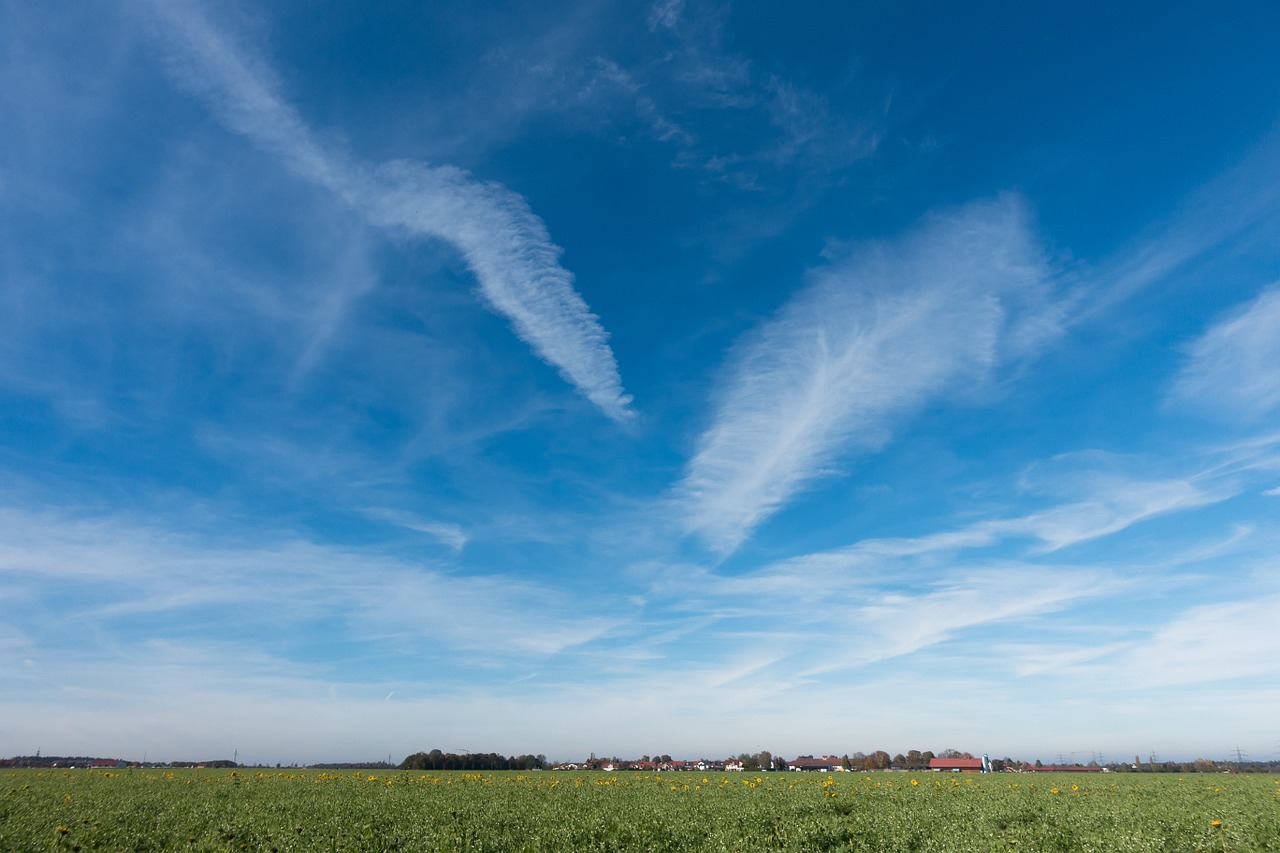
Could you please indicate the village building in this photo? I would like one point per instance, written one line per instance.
(956, 765)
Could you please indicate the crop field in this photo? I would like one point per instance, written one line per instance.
(194, 810)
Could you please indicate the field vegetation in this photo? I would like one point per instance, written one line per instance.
(233, 810)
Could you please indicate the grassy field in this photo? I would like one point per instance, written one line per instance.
(138, 810)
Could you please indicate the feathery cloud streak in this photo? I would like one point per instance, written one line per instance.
(1235, 365)
(126, 573)
(1116, 505)
(504, 243)
(870, 341)
(1213, 642)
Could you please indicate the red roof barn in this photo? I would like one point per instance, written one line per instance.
(960, 765)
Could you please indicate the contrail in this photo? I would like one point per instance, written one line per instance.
(503, 242)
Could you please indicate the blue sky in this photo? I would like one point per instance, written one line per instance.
(621, 378)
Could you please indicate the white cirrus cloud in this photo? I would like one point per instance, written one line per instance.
(869, 342)
(504, 243)
(1108, 504)
(1210, 642)
(894, 624)
(445, 532)
(1116, 504)
(110, 574)
(1234, 367)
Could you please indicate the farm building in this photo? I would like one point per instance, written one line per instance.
(956, 765)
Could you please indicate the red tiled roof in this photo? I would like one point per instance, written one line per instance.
(955, 764)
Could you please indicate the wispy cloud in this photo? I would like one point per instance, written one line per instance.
(1207, 643)
(886, 598)
(1116, 505)
(1234, 367)
(871, 341)
(768, 128)
(130, 574)
(810, 133)
(504, 243)
(665, 13)
(891, 625)
(1100, 494)
(1241, 205)
(445, 532)
(895, 606)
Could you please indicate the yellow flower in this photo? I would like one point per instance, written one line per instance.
(63, 830)
(1075, 787)
(1053, 790)
(914, 783)
(1216, 824)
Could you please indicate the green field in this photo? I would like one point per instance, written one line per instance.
(152, 809)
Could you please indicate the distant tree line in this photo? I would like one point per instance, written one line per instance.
(764, 760)
(222, 763)
(437, 760)
(51, 761)
(89, 761)
(1200, 765)
(352, 765)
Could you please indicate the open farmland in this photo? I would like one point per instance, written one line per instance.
(153, 809)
